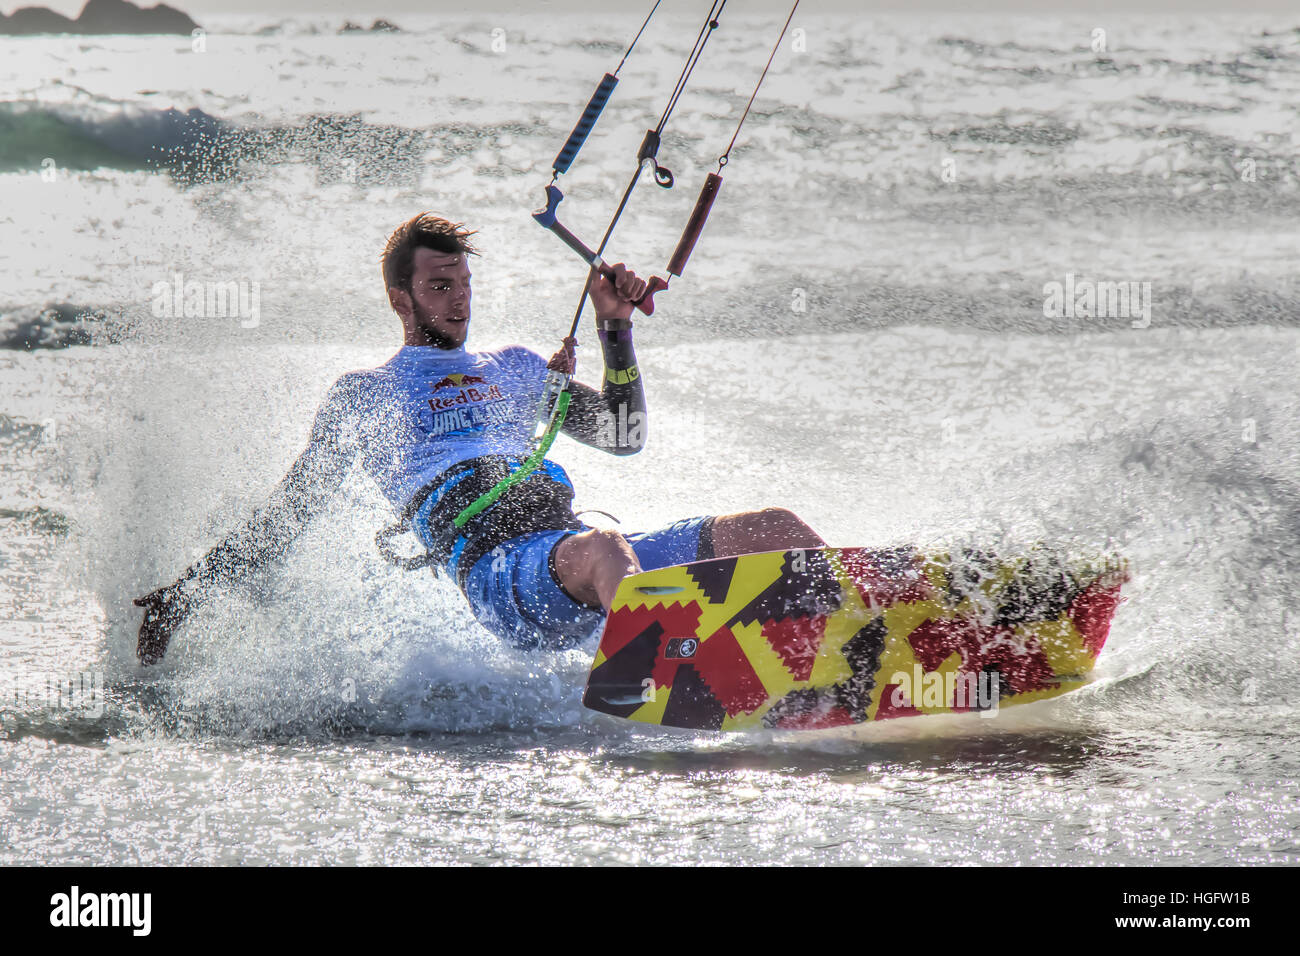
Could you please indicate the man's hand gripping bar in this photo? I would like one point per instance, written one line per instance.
(547, 218)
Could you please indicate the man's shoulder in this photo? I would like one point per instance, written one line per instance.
(517, 356)
(362, 378)
(357, 390)
(354, 382)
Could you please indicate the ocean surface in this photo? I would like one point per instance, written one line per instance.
(864, 335)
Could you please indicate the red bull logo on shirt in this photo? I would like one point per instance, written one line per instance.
(458, 381)
(475, 403)
(466, 396)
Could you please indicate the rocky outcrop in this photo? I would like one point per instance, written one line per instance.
(98, 17)
(379, 26)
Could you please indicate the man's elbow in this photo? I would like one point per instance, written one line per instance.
(633, 439)
(624, 450)
(624, 434)
(628, 444)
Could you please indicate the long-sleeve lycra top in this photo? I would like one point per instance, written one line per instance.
(415, 417)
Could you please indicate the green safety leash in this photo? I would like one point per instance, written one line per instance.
(531, 463)
(484, 501)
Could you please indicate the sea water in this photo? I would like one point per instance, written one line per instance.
(866, 334)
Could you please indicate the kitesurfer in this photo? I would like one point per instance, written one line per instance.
(438, 425)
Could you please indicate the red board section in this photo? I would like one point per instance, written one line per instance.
(797, 640)
(881, 586)
(886, 710)
(980, 647)
(677, 620)
(722, 664)
(1091, 613)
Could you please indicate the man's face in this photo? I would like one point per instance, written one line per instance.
(439, 296)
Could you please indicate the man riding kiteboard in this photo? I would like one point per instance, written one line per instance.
(439, 426)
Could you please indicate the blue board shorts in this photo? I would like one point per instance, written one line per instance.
(515, 591)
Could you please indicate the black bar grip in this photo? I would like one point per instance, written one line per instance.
(569, 153)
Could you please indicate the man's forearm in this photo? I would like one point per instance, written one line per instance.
(615, 418)
(253, 545)
(303, 494)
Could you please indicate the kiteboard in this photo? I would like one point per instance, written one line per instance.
(817, 638)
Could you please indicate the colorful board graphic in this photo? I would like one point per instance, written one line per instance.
(818, 638)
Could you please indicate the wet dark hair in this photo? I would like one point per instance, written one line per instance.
(425, 230)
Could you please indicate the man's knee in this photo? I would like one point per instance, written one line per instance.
(768, 529)
(781, 518)
(766, 521)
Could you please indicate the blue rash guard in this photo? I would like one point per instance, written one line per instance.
(428, 412)
(427, 409)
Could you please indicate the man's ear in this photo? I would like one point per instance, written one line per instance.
(400, 300)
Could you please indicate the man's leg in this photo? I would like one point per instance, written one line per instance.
(591, 564)
(772, 529)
